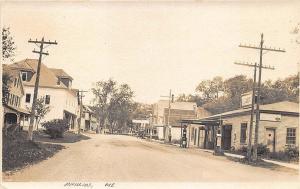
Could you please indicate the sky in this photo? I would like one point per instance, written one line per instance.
(155, 47)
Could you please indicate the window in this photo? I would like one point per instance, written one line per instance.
(15, 82)
(26, 118)
(243, 133)
(13, 100)
(47, 100)
(27, 99)
(16, 101)
(291, 136)
(24, 76)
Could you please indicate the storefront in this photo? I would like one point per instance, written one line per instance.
(278, 128)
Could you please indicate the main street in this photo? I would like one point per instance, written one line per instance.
(125, 158)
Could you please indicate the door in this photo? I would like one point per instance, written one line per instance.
(270, 136)
(201, 138)
(195, 136)
(226, 137)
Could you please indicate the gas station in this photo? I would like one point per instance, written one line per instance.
(203, 133)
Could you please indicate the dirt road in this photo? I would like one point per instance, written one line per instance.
(124, 158)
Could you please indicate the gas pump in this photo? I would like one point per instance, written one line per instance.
(184, 139)
(218, 150)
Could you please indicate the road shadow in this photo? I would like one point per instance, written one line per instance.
(69, 137)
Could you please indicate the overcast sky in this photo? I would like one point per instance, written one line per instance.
(155, 47)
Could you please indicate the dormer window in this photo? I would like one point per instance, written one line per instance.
(58, 81)
(24, 76)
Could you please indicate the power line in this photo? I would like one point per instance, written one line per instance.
(261, 48)
(80, 96)
(255, 65)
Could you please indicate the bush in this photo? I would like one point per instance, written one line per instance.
(175, 141)
(262, 150)
(281, 155)
(56, 127)
(292, 152)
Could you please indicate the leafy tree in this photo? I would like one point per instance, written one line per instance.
(113, 104)
(8, 44)
(6, 80)
(210, 89)
(233, 88)
(191, 98)
(103, 92)
(119, 107)
(41, 110)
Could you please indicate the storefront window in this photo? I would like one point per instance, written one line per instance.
(243, 133)
(291, 136)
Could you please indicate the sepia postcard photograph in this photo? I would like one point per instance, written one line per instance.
(150, 94)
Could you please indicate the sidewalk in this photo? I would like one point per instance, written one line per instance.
(288, 165)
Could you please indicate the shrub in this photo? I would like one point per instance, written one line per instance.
(292, 152)
(56, 127)
(262, 150)
(174, 141)
(281, 155)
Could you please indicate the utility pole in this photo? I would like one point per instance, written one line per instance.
(261, 49)
(80, 96)
(171, 96)
(40, 44)
(252, 104)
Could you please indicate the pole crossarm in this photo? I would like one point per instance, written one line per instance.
(256, 89)
(254, 65)
(44, 42)
(37, 80)
(263, 48)
(38, 52)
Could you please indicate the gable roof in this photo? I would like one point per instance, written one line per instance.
(60, 73)
(48, 77)
(14, 74)
(23, 65)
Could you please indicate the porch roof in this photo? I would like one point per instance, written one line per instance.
(17, 109)
(208, 122)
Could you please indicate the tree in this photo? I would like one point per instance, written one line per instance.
(41, 110)
(119, 107)
(6, 80)
(210, 89)
(8, 44)
(103, 92)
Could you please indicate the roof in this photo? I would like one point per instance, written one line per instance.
(13, 73)
(60, 73)
(48, 77)
(23, 65)
(284, 107)
(179, 105)
(17, 109)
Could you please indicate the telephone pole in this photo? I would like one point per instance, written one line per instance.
(40, 44)
(171, 96)
(252, 104)
(80, 96)
(261, 49)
